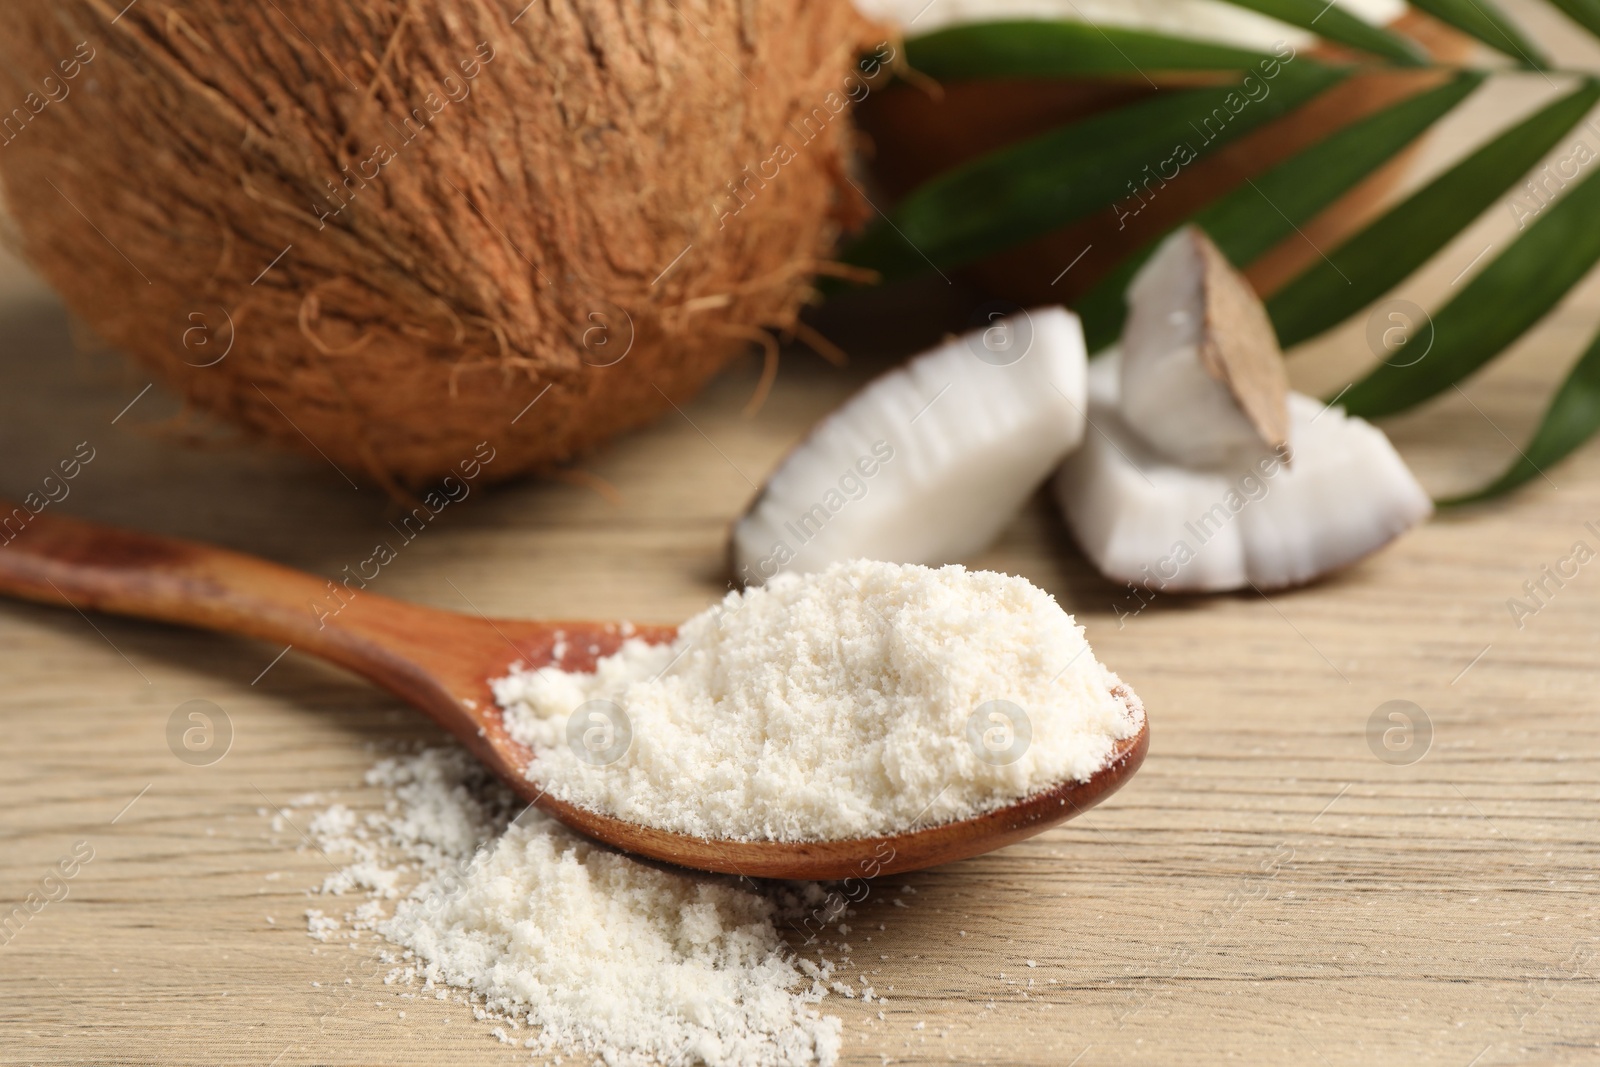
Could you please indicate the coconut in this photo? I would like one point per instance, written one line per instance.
(929, 462)
(1254, 520)
(388, 231)
(1203, 379)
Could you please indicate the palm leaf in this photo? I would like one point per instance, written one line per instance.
(1511, 294)
(1585, 13)
(1043, 183)
(1483, 20)
(1572, 418)
(1036, 49)
(1024, 191)
(1335, 24)
(1403, 238)
(1255, 217)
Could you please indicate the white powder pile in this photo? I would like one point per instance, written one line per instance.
(864, 700)
(594, 952)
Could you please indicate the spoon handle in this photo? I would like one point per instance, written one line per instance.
(67, 562)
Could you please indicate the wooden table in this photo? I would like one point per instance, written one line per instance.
(1266, 890)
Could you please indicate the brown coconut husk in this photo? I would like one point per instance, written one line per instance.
(557, 188)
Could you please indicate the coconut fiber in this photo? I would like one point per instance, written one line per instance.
(388, 230)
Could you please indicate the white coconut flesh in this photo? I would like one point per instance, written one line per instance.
(1202, 375)
(1142, 518)
(930, 461)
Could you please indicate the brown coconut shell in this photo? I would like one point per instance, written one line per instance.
(917, 134)
(418, 225)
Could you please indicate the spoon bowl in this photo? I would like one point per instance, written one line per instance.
(441, 662)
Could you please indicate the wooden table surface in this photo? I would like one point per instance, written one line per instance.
(1267, 889)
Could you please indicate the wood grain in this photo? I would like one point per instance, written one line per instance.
(1267, 890)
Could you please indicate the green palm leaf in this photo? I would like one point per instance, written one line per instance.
(1043, 183)
(1572, 418)
(1036, 49)
(1253, 218)
(1336, 24)
(1403, 238)
(1021, 192)
(1504, 300)
(1483, 20)
(1585, 13)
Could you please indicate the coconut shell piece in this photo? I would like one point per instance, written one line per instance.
(1238, 346)
(418, 225)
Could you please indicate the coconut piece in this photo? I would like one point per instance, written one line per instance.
(1202, 374)
(928, 462)
(1144, 519)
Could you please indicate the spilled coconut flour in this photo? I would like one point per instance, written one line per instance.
(594, 952)
(841, 704)
(866, 699)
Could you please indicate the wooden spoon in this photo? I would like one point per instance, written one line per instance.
(441, 662)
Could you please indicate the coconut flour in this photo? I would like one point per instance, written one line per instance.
(867, 699)
(569, 946)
